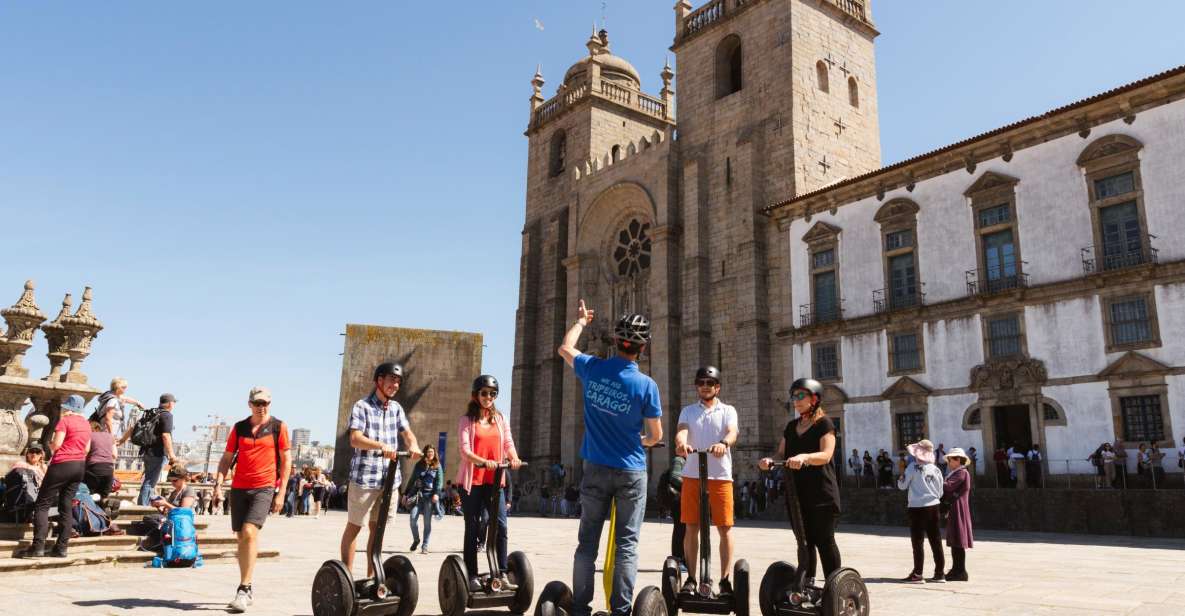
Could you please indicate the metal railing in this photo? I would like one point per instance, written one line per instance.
(888, 300)
(1091, 264)
(1163, 474)
(997, 280)
(814, 314)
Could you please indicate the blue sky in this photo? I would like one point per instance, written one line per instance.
(239, 180)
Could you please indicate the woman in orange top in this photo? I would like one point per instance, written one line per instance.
(485, 441)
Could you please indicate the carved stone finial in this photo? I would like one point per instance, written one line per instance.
(81, 330)
(55, 335)
(22, 318)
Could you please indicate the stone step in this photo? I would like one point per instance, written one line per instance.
(16, 532)
(107, 543)
(108, 559)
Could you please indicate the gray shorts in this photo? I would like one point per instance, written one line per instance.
(251, 506)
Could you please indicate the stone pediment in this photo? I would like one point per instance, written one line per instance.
(896, 209)
(905, 387)
(833, 396)
(1009, 375)
(821, 232)
(990, 180)
(1108, 146)
(1133, 364)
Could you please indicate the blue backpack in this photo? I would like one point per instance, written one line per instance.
(89, 518)
(179, 540)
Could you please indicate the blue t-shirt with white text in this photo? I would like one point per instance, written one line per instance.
(617, 396)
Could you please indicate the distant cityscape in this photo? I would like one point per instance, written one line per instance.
(201, 454)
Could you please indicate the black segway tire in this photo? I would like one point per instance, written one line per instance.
(776, 582)
(333, 590)
(555, 600)
(845, 594)
(518, 567)
(649, 602)
(402, 582)
(670, 585)
(740, 588)
(453, 586)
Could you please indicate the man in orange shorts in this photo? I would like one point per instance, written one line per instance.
(708, 425)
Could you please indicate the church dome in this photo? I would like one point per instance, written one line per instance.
(613, 68)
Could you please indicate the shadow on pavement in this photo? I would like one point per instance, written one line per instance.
(135, 602)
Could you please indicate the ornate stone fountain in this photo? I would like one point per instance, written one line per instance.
(69, 337)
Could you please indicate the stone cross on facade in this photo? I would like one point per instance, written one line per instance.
(824, 164)
(840, 125)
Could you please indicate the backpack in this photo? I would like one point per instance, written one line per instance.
(20, 495)
(89, 518)
(178, 541)
(144, 434)
(243, 430)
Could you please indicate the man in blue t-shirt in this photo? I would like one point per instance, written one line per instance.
(622, 416)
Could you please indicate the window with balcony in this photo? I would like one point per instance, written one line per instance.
(825, 361)
(823, 253)
(993, 209)
(898, 220)
(1112, 168)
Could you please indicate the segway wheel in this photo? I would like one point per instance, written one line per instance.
(650, 603)
(845, 594)
(453, 587)
(555, 600)
(519, 570)
(670, 586)
(333, 590)
(775, 584)
(403, 583)
(740, 588)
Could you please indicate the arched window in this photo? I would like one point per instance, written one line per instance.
(632, 253)
(821, 76)
(559, 154)
(853, 92)
(729, 66)
(615, 153)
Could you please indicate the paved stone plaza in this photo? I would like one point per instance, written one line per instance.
(1011, 573)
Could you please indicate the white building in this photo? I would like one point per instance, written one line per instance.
(1023, 286)
(301, 436)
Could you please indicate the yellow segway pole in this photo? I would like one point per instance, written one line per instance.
(610, 553)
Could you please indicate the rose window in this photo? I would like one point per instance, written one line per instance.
(632, 253)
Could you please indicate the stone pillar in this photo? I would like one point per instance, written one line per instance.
(682, 10)
(668, 93)
(537, 85)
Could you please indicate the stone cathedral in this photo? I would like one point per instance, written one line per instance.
(640, 202)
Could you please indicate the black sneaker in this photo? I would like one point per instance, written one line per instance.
(57, 552)
(414, 544)
(725, 586)
(689, 586)
(956, 576)
(914, 578)
(31, 552)
(475, 584)
(939, 578)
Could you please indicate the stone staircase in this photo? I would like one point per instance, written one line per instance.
(108, 550)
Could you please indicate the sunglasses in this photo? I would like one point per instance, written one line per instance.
(260, 403)
(800, 395)
(705, 383)
(488, 394)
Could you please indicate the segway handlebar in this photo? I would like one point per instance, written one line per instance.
(505, 464)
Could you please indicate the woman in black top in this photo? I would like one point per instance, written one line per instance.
(807, 446)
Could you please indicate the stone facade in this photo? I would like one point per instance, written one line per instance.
(439, 368)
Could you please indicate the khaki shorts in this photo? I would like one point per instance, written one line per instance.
(719, 502)
(361, 501)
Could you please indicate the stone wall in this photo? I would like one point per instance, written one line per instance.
(439, 368)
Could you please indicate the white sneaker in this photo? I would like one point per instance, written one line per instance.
(241, 601)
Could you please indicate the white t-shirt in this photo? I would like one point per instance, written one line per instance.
(706, 427)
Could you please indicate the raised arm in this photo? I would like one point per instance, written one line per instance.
(568, 349)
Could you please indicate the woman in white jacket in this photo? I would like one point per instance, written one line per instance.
(923, 482)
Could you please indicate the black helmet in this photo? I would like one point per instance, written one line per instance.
(809, 385)
(388, 368)
(632, 330)
(708, 372)
(485, 380)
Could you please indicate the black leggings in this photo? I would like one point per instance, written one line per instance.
(473, 504)
(99, 477)
(960, 558)
(923, 524)
(59, 487)
(820, 523)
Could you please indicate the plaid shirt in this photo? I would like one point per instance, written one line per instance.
(379, 422)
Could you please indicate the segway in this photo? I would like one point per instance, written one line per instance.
(704, 600)
(787, 592)
(556, 598)
(394, 589)
(453, 583)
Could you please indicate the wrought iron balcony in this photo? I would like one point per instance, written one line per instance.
(815, 314)
(888, 300)
(1092, 264)
(997, 280)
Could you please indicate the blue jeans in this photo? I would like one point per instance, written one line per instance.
(423, 508)
(152, 468)
(289, 503)
(601, 485)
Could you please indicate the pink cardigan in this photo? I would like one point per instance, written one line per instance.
(465, 428)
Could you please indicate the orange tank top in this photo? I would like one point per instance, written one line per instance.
(486, 443)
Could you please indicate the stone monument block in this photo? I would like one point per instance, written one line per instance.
(439, 368)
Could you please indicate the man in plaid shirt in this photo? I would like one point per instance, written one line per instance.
(377, 425)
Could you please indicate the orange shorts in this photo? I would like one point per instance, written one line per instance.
(719, 502)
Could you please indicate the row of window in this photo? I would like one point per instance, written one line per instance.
(1121, 240)
(823, 80)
